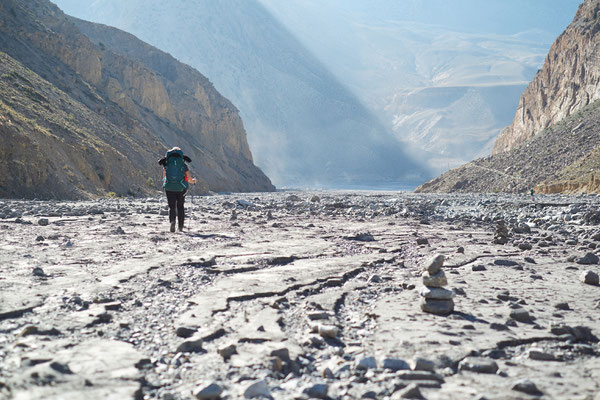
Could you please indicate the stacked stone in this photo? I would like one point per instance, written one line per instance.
(501, 235)
(436, 299)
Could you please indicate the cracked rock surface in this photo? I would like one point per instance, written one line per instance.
(296, 298)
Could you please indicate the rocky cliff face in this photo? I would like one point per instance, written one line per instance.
(553, 145)
(88, 117)
(569, 80)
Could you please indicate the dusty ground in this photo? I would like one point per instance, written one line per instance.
(299, 295)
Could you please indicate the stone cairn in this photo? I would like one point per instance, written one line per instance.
(501, 235)
(436, 299)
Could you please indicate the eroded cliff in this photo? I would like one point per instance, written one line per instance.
(568, 81)
(88, 118)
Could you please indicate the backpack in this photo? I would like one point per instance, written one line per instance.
(175, 168)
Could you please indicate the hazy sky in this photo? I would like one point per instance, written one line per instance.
(481, 16)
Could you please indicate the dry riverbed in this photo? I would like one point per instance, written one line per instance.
(301, 295)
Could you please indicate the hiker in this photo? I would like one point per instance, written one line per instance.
(531, 192)
(176, 179)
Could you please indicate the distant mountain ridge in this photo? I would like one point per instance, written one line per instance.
(444, 77)
(85, 118)
(305, 127)
(553, 144)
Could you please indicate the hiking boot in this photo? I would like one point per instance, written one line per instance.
(180, 227)
(173, 226)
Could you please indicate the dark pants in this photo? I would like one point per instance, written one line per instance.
(176, 200)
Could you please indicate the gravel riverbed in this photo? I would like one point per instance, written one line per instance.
(297, 295)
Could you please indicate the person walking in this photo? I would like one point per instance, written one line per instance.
(176, 180)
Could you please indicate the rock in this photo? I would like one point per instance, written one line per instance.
(589, 277)
(524, 246)
(422, 241)
(506, 263)
(61, 368)
(328, 331)
(540, 355)
(522, 228)
(527, 386)
(498, 327)
(103, 318)
(367, 363)
(293, 198)
(501, 240)
(419, 376)
(361, 237)
(494, 354)
(371, 394)
(184, 332)
(191, 346)
(438, 307)
(34, 330)
(318, 391)
(315, 199)
(436, 293)
(113, 306)
(257, 389)
(283, 354)
(318, 315)
(588, 259)
(422, 364)
(394, 364)
(412, 391)
(327, 373)
(521, 315)
(37, 271)
(244, 203)
(511, 323)
(505, 296)
(562, 306)
(477, 268)
(434, 265)
(227, 351)
(316, 341)
(478, 364)
(43, 222)
(438, 280)
(276, 364)
(40, 239)
(580, 333)
(210, 392)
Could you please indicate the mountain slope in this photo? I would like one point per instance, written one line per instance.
(564, 158)
(569, 80)
(554, 141)
(54, 147)
(89, 120)
(305, 128)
